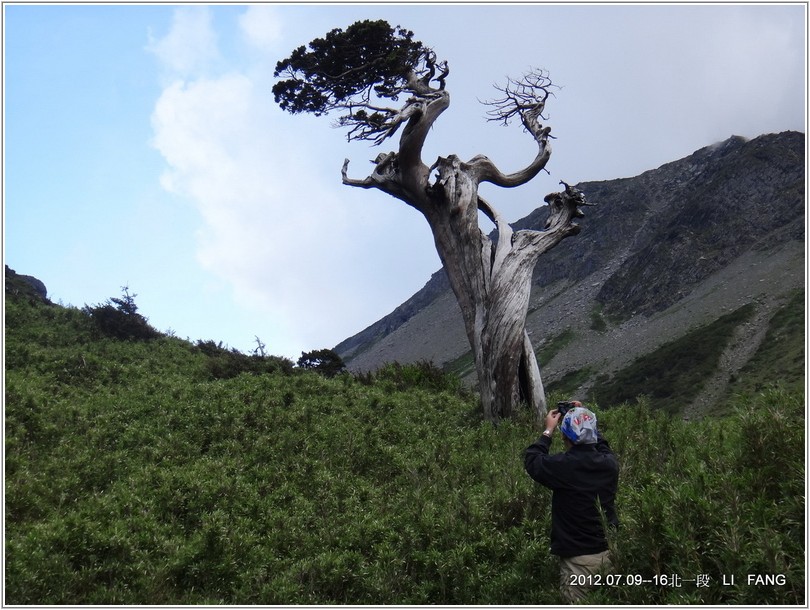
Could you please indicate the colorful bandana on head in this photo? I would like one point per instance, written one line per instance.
(579, 426)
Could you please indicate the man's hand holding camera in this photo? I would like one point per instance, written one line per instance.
(552, 420)
(554, 416)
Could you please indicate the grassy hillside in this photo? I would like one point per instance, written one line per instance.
(781, 355)
(673, 374)
(161, 472)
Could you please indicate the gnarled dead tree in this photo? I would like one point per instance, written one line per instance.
(350, 72)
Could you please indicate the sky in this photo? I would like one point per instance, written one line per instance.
(143, 148)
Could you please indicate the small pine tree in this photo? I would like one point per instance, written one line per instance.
(119, 318)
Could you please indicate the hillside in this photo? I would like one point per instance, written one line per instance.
(661, 255)
(147, 470)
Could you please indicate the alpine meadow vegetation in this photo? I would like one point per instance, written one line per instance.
(152, 470)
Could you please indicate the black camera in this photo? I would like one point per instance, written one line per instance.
(564, 406)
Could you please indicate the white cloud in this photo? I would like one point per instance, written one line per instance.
(267, 225)
(271, 228)
(198, 128)
(261, 26)
(190, 45)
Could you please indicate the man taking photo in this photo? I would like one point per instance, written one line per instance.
(583, 479)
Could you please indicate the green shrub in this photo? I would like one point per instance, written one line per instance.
(323, 361)
(598, 322)
(462, 366)
(550, 348)
(223, 363)
(569, 382)
(119, 318)
(420, 374)
(722, 497)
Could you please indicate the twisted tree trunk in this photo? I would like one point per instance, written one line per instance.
(491, 281)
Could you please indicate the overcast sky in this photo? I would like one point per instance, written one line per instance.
(143, 147)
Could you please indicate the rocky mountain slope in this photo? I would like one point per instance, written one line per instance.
(661, 254)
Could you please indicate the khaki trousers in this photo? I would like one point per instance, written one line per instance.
(578, 575)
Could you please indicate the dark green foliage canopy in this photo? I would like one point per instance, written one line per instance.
(345, 67)
(323, 361)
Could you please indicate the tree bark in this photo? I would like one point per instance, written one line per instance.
(491, 281)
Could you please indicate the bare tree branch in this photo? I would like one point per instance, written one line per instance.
(524, 98)
(384, 168)
(489, 172)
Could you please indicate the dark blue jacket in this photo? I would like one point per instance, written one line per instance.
(584, 480)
